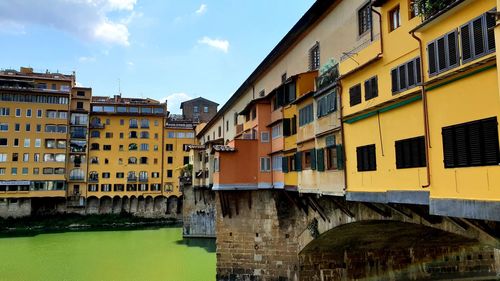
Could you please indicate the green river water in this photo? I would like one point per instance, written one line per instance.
(152, 254)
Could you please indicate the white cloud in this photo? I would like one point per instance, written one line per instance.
(202, 9)
(86, 59)
(174, 101)
(99, 20)
(222, 45)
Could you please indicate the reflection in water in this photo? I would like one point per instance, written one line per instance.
(150, 254)
(206, 243)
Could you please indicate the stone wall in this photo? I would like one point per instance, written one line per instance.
(198, 212)
(15, 208)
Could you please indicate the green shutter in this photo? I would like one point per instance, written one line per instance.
(321, 159)
(313, 159)
(284, 164)
(298, 161)
(340, 157)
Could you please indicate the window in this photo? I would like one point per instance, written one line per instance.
(410, 153)
(471, 144)
(144, 147)
(4, 127)
(106, 147)
(4, 111)
(155, 175)
(169, 147)
(3, 157)
(118, 187)
(195, 109)
(306, 115)
(27, 142)
(477, 37)
(326, 104)
(36, 157)
(169, 173)
(26, 157)
(314, 57)
(394, 19)
(132, 160)
(106, 175)
(132, 135)
(17, 127)
(94, 146)
(309, 159)
(3, 142)
(443, 53)
(366, 158)
(144, 135)
(18, 112)
(80, 93)
(144, 123)
(38, 142)
(413, 4)
(364, 18)
(216, 165)
(276, 131)
(28, 127)
(143, 160)
(277, 163)
(219, 133)
(79, 105)
(15, 157)
(132, 147)
(265, 164)
(38, 127)
(181, 135)
(16, 142)
(355, 95)
(185, 160)
(92, 187)
(13, 171)
(122, 122)
(406, 76)
(120, 175)
(332, 157)
(36, 171)
(28, 112)
(133, 123)
(371, 88)
(264, 136)
(109, 135)
(205, 109)
(170, 159)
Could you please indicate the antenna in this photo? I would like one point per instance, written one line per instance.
(119, 87)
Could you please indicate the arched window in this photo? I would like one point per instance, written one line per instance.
(93, 176)
(132, 160)
(131, 175)
(95, 121)
(144, 135)
(94, 160)
(132, 147)
(95, 134)
(144, 123)
(143, 176)
(144, 160)
(133, 123)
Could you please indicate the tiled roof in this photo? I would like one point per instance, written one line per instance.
(223, 148)
(196, 147)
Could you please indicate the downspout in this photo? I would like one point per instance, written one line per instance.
(342, 133)
(426, 111)
(380, 30)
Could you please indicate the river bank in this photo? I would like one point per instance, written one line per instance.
(74, 222)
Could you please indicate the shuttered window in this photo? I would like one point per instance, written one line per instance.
(366, 158)
(471, 144)
(371, 88)
(326, 104)
(320, 158)
(355, 95)
(443, 53)
(284, 164)
(410, 153)
(406, 76)
(477, 37)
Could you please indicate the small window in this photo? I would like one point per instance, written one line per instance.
(364, 18)
(366, 158)
(331, 158)
(170, 160)
(413, 5)
(276, 131)
(307, 158)
(169, 147)
(205, 109)
(169, 173)
(314, 57)
(371, 88)
(406, 76)
(306, 115)
(394, 19)
(355, 95)
(196, 109)
(265, 164)
(264, 136)
(326, 104)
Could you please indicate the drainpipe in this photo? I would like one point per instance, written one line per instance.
(342, 133)
(426, 111)
(380, 30)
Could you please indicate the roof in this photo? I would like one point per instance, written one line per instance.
(223, 148)
(311, 17)
(198, 99)
(249, 106)
(126, 101)
(378, 3)
(196, 147)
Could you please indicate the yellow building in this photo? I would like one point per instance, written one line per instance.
(125, 147)
(34, 117)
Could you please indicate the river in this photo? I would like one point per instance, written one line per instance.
(135, 255)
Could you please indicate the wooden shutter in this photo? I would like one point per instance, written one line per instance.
(448, 147)
(431, 53)
(490, 142)
(422, 156)
(355, 95)
(411, 73)
(286, 127)
(320, 159)
(294, 125)
(452, 49)
(298, 161)
(394, 80)
(399, 155)
(418, 71)
(474, 139)
(441, 52)
(490, 30)
(372, 158)
(284, 164)
(368, 89)
(313, 159)
(374, 86)
(402, 77)
(340, 157)
(359, 158)
(461, 146)
(478, 36)
(465, 40)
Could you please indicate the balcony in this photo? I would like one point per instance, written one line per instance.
(329, 76)
(77, 178)
(96, 126)
(143, 179)
(431, 8)
(131, 179)
(239, 128)
(93, 179)
(78, 135)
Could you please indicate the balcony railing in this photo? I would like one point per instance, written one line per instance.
(93, 179)
(329, 76)
(96, 126)
(77, 178)
(143, 179)
(132, 179)
(78, 135)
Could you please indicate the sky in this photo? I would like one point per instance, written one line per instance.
(170, 50)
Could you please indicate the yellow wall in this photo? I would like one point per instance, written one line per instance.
(178, 155)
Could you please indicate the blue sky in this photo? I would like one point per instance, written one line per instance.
(159, 49)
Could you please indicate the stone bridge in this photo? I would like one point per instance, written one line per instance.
(281, 235)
